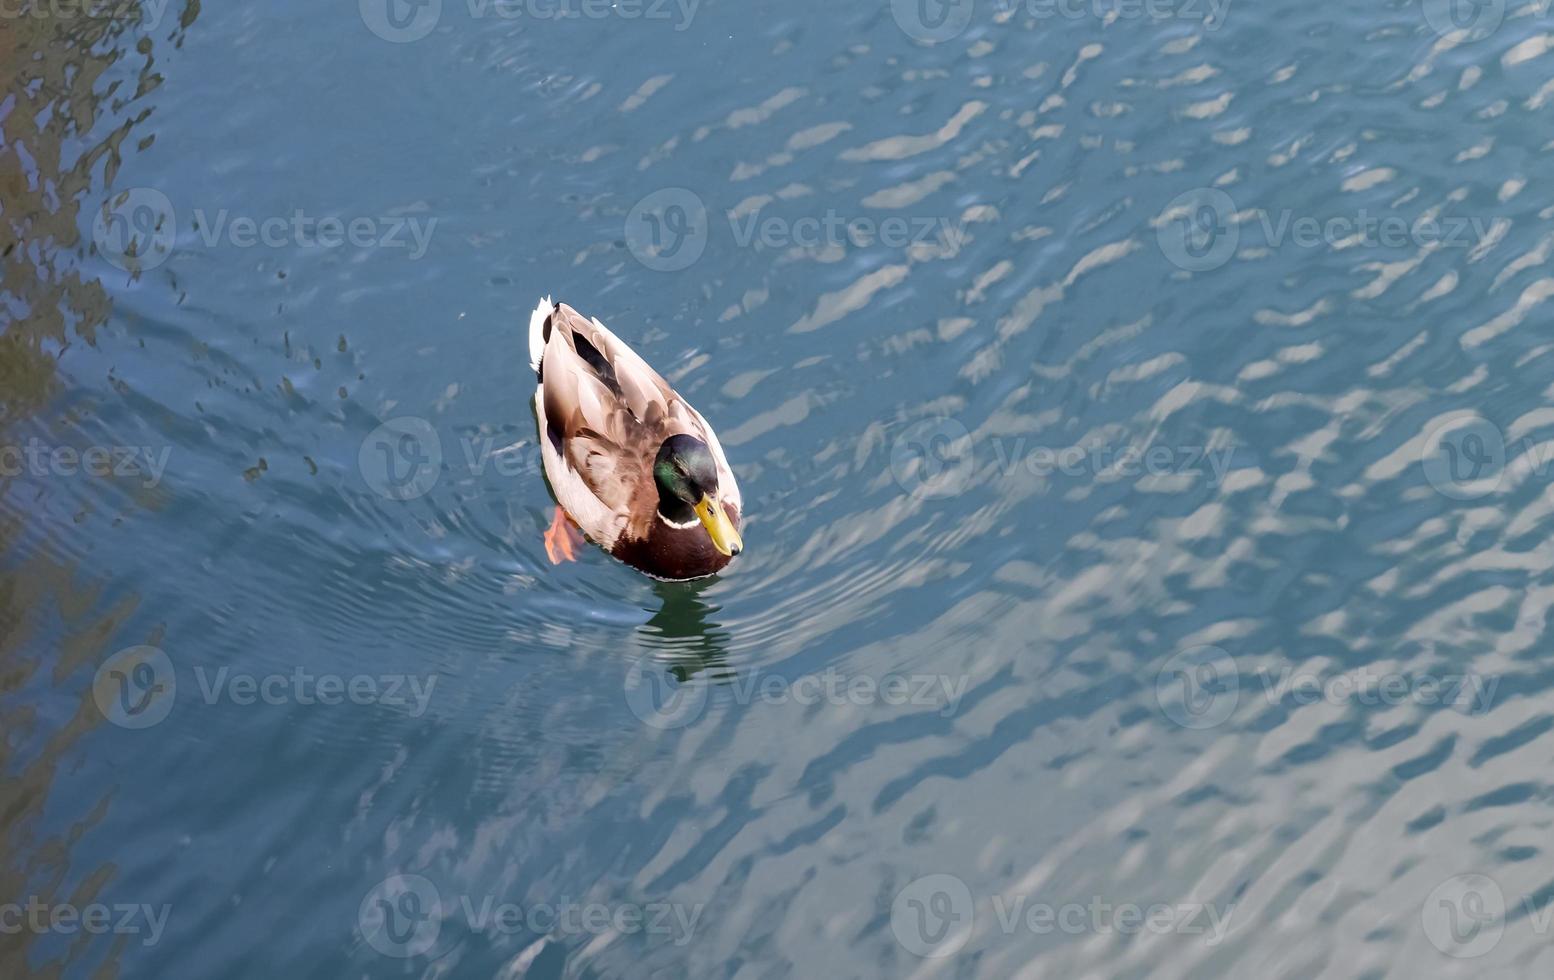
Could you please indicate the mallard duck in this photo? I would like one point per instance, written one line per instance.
(632, 464)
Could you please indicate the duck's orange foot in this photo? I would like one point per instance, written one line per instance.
(562, 538)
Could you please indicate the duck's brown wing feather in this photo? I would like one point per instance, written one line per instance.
(607, 412)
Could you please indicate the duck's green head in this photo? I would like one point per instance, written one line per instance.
(687, 478)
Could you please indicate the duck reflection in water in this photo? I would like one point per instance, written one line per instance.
(683, 637)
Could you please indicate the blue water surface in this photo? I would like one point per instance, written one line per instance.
(1142, 413)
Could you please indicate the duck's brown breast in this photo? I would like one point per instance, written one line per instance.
(675, 553)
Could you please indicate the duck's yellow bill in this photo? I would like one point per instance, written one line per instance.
(715, 519)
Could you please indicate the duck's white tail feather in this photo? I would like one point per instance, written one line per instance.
(537, 331)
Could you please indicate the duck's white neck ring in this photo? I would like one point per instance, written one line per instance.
(693, 522)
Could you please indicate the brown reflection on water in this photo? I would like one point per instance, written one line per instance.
(66, 75)
(62, 74)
